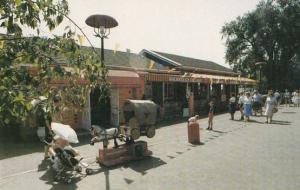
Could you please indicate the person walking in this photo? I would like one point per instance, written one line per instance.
(240, 104)
(247, 106)
(270, 106)
(287, 97)
(232, 106)
(211, 111)
(295, 98)
(48, 119)
(277, 96)
(256, 103)
(298, 98)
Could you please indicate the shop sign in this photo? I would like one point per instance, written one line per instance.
(184, 79)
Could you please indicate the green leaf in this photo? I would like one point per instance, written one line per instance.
(59, 19)
(6, 120)
(17, 2)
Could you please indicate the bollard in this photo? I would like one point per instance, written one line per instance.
(193, 132)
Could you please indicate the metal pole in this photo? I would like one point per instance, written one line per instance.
(102, 51)
(260, 86)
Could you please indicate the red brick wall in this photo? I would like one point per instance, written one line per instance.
(127, 93)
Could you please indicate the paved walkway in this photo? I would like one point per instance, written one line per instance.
(236, 155)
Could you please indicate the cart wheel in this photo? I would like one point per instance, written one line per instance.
(135, 133)
(88, 171)
(68, 180)
(150, 132)
(79, 169)
(57, 178)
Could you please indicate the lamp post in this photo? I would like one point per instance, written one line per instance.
(260, 64)
(239, 81)
(102, 25)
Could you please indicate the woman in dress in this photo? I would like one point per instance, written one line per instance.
(247, 106)
(211, 111)
(295, 98)
(232, 106)
(240, 103)
(270, 105)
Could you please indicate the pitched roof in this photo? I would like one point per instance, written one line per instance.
(123, 59)
(187, 62)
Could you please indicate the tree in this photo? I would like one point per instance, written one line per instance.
(269, 34)
(51, 60)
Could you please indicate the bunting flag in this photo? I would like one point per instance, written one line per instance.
(1, 43)
(80, 39)
(117, 46)
(151, 64)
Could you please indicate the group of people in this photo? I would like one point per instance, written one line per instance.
(293, 98)
(249, 105)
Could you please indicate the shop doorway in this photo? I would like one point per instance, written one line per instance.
(100, 109)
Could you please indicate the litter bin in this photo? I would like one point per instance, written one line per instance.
(193, 133)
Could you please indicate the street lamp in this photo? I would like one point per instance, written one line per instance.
(102, 25)
(239, 81)
(260, 64)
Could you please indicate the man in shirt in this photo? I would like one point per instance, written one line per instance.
(277, 96)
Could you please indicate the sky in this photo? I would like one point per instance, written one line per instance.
(184, 27)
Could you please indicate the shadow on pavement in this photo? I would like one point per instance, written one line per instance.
(217, 131)
(43, 165)
(49, 178)
(142, 166)
(250, 121)
(289, 112)
(277, 122)
(197, 144)
(12, 147)
(162, 124)
(255, 121)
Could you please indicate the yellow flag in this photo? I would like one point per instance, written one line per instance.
(18, 2)
(151, 64)
(80, 39)
(1, 43)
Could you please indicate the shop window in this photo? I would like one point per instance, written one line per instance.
(169, 91)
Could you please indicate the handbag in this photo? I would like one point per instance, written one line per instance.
(275, 110)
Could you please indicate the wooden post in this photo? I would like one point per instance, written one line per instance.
(208, 91)
(163, 94)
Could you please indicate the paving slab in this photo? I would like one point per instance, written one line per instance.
(236, 155)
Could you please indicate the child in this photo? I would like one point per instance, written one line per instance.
(211, 111)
